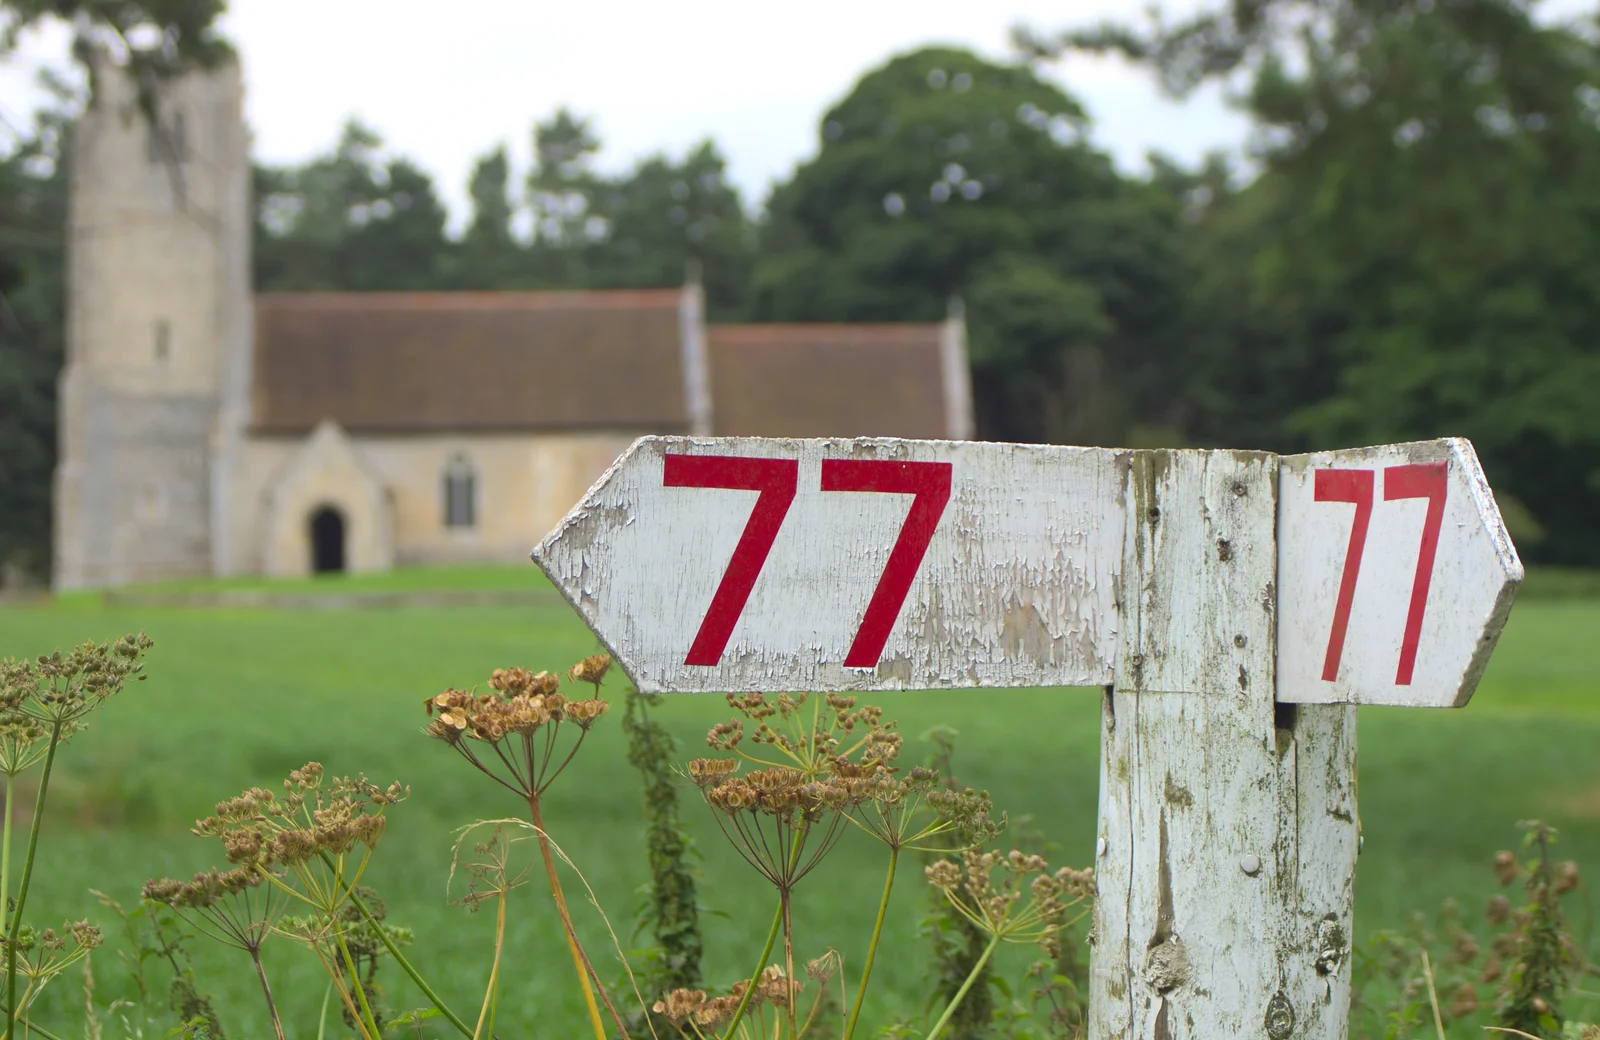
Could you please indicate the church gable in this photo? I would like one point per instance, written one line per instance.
(328, 510)
(467, 361)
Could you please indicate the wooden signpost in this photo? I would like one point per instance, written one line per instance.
(1235, 607)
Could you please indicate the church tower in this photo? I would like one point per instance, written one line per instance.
(154, 392)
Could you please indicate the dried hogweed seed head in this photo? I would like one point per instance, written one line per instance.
(243, 846)
(1492, 970)
(304, 778)
(721, 1009)
(84, 934)
(725, 736)
(774, 988)
(731, 796)
(681, 1003)
(585, 713)
(1464, 1002)
(1498, 910)
(1505, 867)
(1465, 948)
(943, 874)
(707, 771)
(590, 670)
(824, 966)
(1566, 878)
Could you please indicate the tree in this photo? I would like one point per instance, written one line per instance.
(33, 208)
(154, 40)
(561, 191)
(1421, 253)
(945, 175)
(489, 256)
(352, 220)
(665, 214)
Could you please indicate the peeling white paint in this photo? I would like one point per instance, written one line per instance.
(1473, 582)
(1228, 842)
(1016, 589)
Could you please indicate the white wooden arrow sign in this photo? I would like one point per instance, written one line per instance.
(756, 564)
(764, 564)
(1397, 575)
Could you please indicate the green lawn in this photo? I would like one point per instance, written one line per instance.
(238, 697)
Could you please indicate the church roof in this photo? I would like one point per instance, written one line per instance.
(435, 361)
(828, 380)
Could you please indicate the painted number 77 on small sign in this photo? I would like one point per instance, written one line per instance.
(777, 481)
(1395, 575)
(1425, 480)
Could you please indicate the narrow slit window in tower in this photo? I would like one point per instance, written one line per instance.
(163, 341)
(169, 143)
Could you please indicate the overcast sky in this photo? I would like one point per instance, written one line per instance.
(445, 83)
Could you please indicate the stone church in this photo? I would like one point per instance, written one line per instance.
(208, 430)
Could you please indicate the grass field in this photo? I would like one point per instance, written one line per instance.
(239, 697)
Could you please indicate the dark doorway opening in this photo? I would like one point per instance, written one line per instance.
(327, 541)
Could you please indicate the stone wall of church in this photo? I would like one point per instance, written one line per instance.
(522, 484)
(137, 506)
(157, 248)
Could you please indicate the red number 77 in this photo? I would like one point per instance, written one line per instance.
(776, 480)
(1425, 480)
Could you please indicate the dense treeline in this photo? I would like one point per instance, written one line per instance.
(1413, 252)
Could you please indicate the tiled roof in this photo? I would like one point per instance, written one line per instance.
(423, 362)
(827, 381)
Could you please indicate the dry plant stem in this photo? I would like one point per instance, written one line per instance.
(788, 956)
(872, 950)
(5, 855)
(27, 876)
(961, 994)
(405, 965)
(622, 957)
(494, 970)
(361, 991)
(336, 983)
(578, 960)
(1513, 1032)
(779, 920)
(766, 951)
(1433, 995)
(261, 973)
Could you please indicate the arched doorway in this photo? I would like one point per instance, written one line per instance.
(327, 541)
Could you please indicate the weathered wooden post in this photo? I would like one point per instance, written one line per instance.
(1219, 597)
(1226, 853)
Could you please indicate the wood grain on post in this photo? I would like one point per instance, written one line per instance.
(1226, 848)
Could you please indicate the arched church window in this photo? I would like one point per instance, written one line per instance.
(460, 493)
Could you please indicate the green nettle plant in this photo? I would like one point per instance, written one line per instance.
(670, 909)
(1436, 970)
(43, 703)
